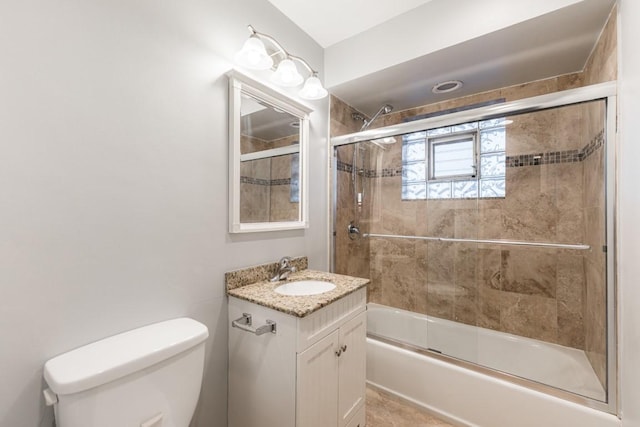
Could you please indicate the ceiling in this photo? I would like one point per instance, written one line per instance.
(331, 21)
(549, 44)
(259, 119)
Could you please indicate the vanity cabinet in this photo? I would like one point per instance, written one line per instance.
(309, 373)
(331, 376)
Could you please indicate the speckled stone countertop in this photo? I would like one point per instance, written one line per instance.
(263, 292)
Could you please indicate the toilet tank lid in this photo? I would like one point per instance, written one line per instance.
(120, 355)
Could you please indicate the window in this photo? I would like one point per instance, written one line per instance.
(455, 162)
(452, 157)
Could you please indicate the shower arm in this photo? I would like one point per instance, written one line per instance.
(367, 123)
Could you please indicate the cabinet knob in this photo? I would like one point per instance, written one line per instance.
(341, 350)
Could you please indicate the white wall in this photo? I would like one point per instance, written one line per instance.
(629, 244)
(384, 45)
(113, 179)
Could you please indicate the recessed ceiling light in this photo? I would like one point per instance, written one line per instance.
(448, 86)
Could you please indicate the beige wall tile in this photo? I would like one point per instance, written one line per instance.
(552, 295)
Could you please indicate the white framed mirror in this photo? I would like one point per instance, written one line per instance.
(268, 139)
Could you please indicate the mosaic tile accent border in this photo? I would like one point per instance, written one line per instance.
(370, 173)
(553, 157)
(256, 181)
(266, 182)
(344, 167)
(593, 145)
(386, 172)
(569, 156)
(246, 276)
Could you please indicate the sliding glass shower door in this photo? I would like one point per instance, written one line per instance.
(493, 233)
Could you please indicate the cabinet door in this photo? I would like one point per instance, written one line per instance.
(352, 368)
(317, 384)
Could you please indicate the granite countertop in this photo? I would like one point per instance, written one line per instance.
(263, 293)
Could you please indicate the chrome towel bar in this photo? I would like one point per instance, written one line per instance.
(244, 323)
(486, 241)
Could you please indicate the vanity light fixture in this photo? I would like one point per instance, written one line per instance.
(254, 55)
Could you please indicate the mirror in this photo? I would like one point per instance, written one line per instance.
(268, 134)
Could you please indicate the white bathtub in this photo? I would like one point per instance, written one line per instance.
(467, 397)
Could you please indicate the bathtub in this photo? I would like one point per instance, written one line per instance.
(466, 396)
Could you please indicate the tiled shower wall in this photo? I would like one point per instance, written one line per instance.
(265, 185)
(353, 256)
(601, 67)
(548, 294)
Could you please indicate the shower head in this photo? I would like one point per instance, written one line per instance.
(385, 109)
(358, 116)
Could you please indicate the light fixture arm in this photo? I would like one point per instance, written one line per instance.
(281, 50)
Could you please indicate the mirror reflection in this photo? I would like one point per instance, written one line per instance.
(269, 163)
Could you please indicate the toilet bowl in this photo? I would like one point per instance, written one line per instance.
(146, 377)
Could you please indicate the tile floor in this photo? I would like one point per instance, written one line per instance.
(385, 410)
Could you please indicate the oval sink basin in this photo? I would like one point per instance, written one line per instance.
(305, 287)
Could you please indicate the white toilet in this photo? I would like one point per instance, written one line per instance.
(147, 377)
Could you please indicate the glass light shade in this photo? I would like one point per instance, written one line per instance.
(287, 74)
(313, 89)
(253, 55)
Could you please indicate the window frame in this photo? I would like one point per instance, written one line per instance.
(433, 141)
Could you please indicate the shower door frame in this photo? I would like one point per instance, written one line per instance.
(602, 91)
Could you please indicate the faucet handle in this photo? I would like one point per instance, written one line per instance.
(285, 262)
(284, 268)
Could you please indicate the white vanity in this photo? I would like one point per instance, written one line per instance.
(299, 360)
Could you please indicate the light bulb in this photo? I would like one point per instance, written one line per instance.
(253, 55)
(286, 74)
(313, 89)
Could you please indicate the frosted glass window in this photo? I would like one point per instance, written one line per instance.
(492, 187)
(499, 122)
(464, 127)
(415, 151)
(453, 158)
(414, 136)
(492, 140)
(439, 190)
(412, 172)
(414, 191)
(492, 165)
(439, 131)
(465, 189)
(461, 161)
(294, 192)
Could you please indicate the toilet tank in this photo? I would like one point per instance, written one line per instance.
(147, 377)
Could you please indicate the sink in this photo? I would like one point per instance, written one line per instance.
(305, 287)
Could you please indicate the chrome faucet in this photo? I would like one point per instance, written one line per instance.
(284, 269)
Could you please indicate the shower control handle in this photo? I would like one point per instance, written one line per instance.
(353, 230)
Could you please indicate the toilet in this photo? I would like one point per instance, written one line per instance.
(146, 377)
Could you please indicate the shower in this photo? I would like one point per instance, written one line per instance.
(483, 237)
(357, 172)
